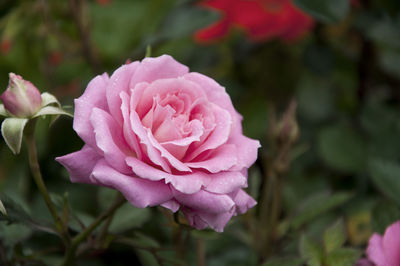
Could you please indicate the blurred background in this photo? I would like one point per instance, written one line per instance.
(317, 82)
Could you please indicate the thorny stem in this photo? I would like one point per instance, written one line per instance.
(70, 254)
(37, 176)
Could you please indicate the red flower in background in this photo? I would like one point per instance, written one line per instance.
(5, 46)
(261, 19)
(103, 2)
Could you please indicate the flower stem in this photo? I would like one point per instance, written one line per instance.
(70, 254)
(37, 176)
(201, 252)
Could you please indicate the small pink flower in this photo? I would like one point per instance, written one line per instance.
(22, 98)
(385, 250)
(164, 136)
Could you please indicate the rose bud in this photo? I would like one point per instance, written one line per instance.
(22, 98)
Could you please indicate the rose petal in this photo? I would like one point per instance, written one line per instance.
(137, 127)
(172, 205)
(205, 201)
(200, 220)
(139, 192)
(165, 87)
(391, 243)
(94, 96)
(247, 150)
(190, 183)
(221, 159)
(179, 147)
(375, 250)
(80, 164)
(129, 135)
(217, 137)
(162, 67)
(174, 162)
(223, 182)
(243, 201)
(110, 140)
(119, 82)
(215, 92)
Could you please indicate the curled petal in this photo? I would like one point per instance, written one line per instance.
(80, 164)
(219, 160)
(223, 182)
(205, 201)
(391, 243)
(119, 82)
(93, 97)
(109, 139)
(201, 220)
(243, 201)
(139, 192)
(375, 250)
(162, 67)
(217, 137)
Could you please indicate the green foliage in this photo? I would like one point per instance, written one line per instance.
(386, 176)
(340, 182)
(332, 252)
(342, 148)
(317, 205)
(334, 236)
(326, 11)
(311, 251)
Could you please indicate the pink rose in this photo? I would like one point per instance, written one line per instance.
(164, 136)
(385, 251)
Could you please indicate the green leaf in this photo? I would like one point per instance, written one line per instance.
(52, 110)
(384, 214)
(386, 177)
(184, 21)
(342, 148)
(325, 11)
(334, 236)
(128, 217)
(284, 262)
(343, 257)
(11, 234)
(140, 241)
(311, 251)
(318, 204)
(17, 215)
(12, 130)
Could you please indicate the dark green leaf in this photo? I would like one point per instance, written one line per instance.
(342, 148)
(16, 214)
(384, 214)
(318, 204)
(326, 11)
(386, 176)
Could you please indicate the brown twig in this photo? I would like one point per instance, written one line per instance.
(77, 12)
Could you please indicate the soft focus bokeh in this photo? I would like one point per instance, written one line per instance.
(321, 93)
